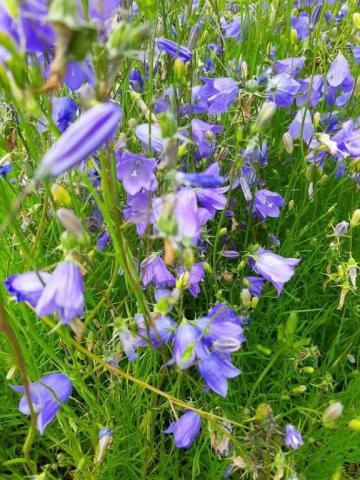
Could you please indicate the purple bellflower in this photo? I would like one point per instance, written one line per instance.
(189, 217)
(28, 286)
(293, 438)
(210, 195)
(186, 429)
(63, 112)
(204, 136)
(339, 78)
(282, 89)
(276, 269)
(174, 49)
(197, 275)
(153, 270)
(215, 370)
(78, 73)
(301, 25)
(46, 395)
(5, 168)
(63, 293)
(162, 328)
(142, 133)
(267, 204)
(219, 93)
(255, 285)
(100, 10)
(83, 138)
(138, 211)
(296, 126)
(187, 345)
(136, 172)
(317, 85)
(292, 66)
(136, 81)
(341, 228)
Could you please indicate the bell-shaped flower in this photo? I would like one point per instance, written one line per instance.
(215, 370)
(293, 438)
(219, 93)
(338, 79)
(139, 211)
(267, 204)
(302, 126)
(282, 89)
(153, 270)
(136, 172)
(186, 429)
(203, 135)
(292, 66)
(46, 397)
(174, 49)
(63, 293)
(28, 286)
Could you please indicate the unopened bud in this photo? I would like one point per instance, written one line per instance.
(226, 344)
(308, 370)
(263, 411)
(332, 413)
(222, 231)
(267, 111)
(291, 204)
(60, 195)
(179, 68)
(245, 297)
(71, 223)
(288, 142)
(183, 281)
(355, 218)
(293, 36)
(356, 20)
(254, 302)
(299, 389)
(354, 424)
(105, 437)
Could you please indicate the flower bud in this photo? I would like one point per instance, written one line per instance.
(341, 228)
(299, 389)
(317, 118)
(355, 218)
(61, 195)
(293, 36)
(183, 281)
(245, 297)
(291, 205)
(83, 138)
(288, 142)
(254, 302)
(332, 413)
(356, 20)
(267, 111)
(308, 370)
(354, 424)
(226, 344)
(179, 68)
(71, 223)
(105, 437)
(222, 231)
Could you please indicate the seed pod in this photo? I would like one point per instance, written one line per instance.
(83, 138)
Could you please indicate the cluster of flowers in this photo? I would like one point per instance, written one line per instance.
(170, 203)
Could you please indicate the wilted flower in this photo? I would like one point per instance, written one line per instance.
(27, 287)
(293, 438)
(46, 395)
(63, 293)
(276, 269)
(83, 138)
(186, 429)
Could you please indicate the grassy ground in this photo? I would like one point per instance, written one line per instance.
(326, 338)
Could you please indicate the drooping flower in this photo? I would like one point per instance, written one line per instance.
(136, 172)
(215, 370)
(28, 286)
(293, 438)
(316, 83)
(161, 330)
(46, 395)
(219, 93)
(187, 344)
(63, 293)
(136, 81)
(153, 269)
(267, 204)
(189, 217)
(282, 89)
(302, 126)
(276, 269)
(105, 438)
(197, 274)
(174, 49)
(83, 138)
(186, 429)
(255, 285)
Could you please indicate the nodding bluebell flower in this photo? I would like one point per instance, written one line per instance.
(338, 79)
(139, 211)
(105, 437)
(136, 81)
(293, 438)
(174, 49)
(27, 287)
(203, 135)
(162, 328)
(282, 89)
(63, 293)
(197, 275)
(341, 228)
(46, 396)
(221, 321)
(219, 93)
(299, 123)
(136, 172)
(188, 345)
(216, 370)
(103, 241)
(153, 270)
(255, 285)
(189, 217)
(317, 85)
(78, 73)
(236, 28)
(5, 168)
(142, 133)
(301, 24)
(274, 240)
(348, 139)
(292, 66)
(186, 429)
(91, 131)
(63, 112)
(267, 204)
(276, 269)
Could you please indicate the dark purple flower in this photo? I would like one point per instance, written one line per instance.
(292, 66)
(203, 134)
(136, 172)
(136, 81)
(341, 228)
(142, 133)
(162, 327)
(27, 287)
(282, 89)
(276, 269)
(63, 112)
(5, 168)
(63, 293)
(216, 370)
(103, 241)
(174, 49)
(153, 269)
(46, 395)
(293, 438)
(267, 204)
(297, 124)
(186, 429)
(187, 345)
(83, 138)
(219, 93)
(139, 211)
